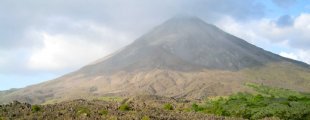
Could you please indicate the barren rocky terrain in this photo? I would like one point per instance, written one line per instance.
(136, 108)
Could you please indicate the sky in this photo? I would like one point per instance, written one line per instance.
(43, 39)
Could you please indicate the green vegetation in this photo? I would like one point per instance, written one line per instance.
(275, 92)
(83, 111)
(269, 102)
(168, 106)
(103, 112)
(264, 102)
(146, 118)
(196, 107)
(124, 107)
(35, 108)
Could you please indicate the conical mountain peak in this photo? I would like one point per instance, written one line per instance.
(183, 57)
(185, 22)
(185, 44)
(180, 28)
(184, 19)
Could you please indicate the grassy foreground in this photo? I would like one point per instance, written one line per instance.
(267, 103)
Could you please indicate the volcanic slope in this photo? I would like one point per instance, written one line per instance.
(183, 57)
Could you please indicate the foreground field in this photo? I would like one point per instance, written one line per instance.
(136, 108)
(264, 103)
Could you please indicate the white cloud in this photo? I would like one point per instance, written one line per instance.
(297, 35)
(289, 55)
(265, 33)
(298, 55)
(231, 26)
(59, 53)
(302, 22)
(70, 51)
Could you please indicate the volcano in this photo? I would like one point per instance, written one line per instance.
(183, 57)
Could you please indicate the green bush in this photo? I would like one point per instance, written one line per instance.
(168, 106)
(83, 111)
(124, 107)
(195, 107)
(146, 118)
(103, 112)
(294, 106)
(35, 108)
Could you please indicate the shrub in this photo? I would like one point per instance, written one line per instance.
(146, 118)
(292, 98)
(168, 106)
(124, 107)
(35, 108)
(83, 111)
(294, 106)
(197, 108)
(103, 112)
